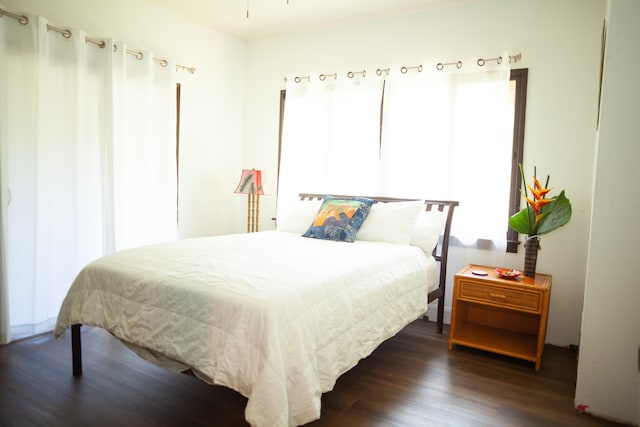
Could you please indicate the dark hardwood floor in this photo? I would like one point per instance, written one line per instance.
(410, 380)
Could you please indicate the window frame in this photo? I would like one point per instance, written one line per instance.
(520, 76)
(178, 100)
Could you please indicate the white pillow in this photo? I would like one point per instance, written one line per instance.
(427, 231)
(391, 222)
(298, 217)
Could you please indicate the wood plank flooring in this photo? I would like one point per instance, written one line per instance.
(410, 380)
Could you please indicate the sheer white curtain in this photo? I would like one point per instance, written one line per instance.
(450, 136)
(330, 138)
(61, 137)
(443, 134)
(144, 149)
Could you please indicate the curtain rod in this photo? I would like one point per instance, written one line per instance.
(404, 69)
(67, 34)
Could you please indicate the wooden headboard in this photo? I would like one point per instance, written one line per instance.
(440, 252)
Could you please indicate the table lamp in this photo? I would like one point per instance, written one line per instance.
(251, 184)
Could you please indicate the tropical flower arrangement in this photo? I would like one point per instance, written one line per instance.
(542, 215)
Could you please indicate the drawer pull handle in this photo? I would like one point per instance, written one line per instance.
(497, 296)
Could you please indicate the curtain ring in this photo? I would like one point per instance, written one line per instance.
(459, 64)
(297, 79)
(403, 70)
(322, 77)
(439, 66)
(499, 60)
(23, 20)
(480, 62)
(352, 74)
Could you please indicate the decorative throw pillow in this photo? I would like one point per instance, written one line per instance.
(339, 219)
(297, 217)
(427, 231)
(391, 222)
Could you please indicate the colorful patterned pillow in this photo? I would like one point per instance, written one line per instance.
(339, 219)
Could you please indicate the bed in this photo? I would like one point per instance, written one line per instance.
(276, 315)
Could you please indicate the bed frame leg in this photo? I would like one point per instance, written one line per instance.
(76, 350)
(440, 320)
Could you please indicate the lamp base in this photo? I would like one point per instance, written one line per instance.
(253, 209)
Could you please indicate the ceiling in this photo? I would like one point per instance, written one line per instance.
(268, 18)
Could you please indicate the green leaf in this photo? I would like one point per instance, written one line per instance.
(554, 215)
(523, 222)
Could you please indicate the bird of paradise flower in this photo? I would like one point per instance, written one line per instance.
(542, 214)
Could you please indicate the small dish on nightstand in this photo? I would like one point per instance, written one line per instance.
(507, 273)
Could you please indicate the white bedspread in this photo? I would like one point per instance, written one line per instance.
(272, 315)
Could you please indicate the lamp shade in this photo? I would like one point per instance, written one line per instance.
(251, 183)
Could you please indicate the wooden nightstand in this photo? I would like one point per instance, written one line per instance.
(505, 316)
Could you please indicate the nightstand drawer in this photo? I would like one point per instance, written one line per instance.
(530, 301)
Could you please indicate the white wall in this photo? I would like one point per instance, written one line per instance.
(608, 369)
(560, 44)
(211, 126)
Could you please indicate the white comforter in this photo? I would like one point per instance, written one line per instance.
(272, 315)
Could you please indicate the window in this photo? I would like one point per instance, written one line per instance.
(399, 153)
